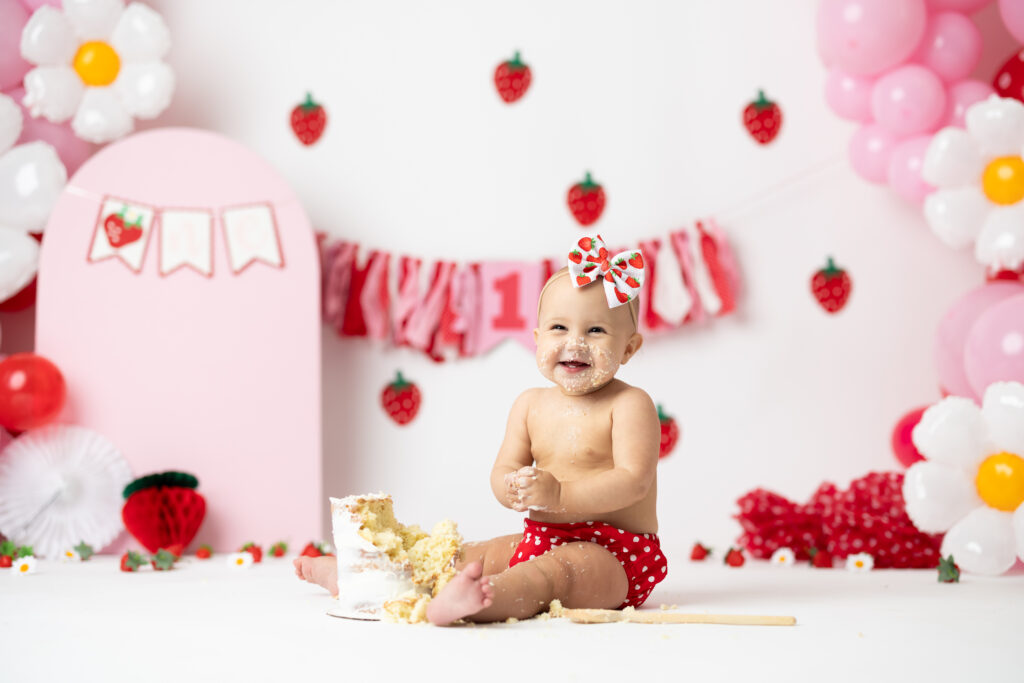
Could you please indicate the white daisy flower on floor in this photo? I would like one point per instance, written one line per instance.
(979, 176)
(970, 485)
(71, 556)
(783, 557)
(98, 62)
(860, 562)
(24, 565)
(240, 560)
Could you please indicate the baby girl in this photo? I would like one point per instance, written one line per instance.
(581, 456)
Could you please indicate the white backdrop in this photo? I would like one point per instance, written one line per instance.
(420, 156)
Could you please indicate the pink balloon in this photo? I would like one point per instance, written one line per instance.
(968, 6)
(849, 96)
(869, 151)
(994, 351)
(866, 37)
(904, 172)
(1012, 12)
(909, 100)
(71, 149)
(13, 17)
(951, 336)
(960, 97)
(951, 46)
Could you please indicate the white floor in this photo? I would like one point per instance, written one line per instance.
(209, 621)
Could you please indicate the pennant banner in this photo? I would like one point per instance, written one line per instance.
(122, 231)
(251, 236)
(186, 236)
(448, 309)
(186, 239)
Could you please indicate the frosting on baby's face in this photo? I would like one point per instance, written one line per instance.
(581, 342)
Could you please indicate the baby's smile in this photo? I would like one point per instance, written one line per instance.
(574, 366)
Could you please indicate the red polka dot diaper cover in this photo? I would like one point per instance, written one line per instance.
(639, 554)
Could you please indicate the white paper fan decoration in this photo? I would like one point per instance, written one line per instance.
(59, 486)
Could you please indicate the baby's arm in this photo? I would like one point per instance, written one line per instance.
(514, 454)
(636, 436)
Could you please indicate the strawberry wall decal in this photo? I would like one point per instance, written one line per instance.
(512, 78)
(308, 120)
(586, 200)
(831, 286)
(762, 118)
(669, 433)
(401, 399)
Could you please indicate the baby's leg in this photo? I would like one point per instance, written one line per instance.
(494, 554)
(323, 571)
(578, 574)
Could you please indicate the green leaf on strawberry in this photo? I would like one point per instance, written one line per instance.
(7, 548)
(949, 572)
(23, 551)
(163, 560)
(84, 550)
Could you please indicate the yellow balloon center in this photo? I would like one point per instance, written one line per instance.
(97, 63)
(1000, 481)
(23, 568)
(1003, 180)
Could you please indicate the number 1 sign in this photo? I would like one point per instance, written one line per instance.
(509, 294)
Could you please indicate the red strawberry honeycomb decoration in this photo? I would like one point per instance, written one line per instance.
(869, 517)
(401, 399)
(163, 510)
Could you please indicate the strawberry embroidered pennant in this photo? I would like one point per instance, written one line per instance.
(186, 240)
(251, 236)
(122, 231)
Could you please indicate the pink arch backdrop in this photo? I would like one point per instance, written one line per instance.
(216, 374)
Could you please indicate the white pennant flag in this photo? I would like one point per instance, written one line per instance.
(122, 231)
(670, 299)
(251, 235)
(186, 239)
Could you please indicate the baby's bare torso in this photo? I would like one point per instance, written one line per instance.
(571, 437)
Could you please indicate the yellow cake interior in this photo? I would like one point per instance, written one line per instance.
(430, 556)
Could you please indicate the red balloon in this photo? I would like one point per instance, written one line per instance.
(1009, 80)
(32, 391)
(23, 299)
(902, 444)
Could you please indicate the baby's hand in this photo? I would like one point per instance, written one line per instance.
(512, 492)
(538, 490)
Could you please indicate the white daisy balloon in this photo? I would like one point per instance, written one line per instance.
(24, 565)
(979, 176)
(860, 562)
(970, 485)
(98, 63)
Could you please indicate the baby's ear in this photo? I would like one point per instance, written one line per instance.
(536, 334)
(632, 346)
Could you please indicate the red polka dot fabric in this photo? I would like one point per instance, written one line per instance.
(639, 554)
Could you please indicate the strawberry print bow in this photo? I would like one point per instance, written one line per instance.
(623, 273)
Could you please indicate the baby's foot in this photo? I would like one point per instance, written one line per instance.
(468, 593)
(323, 571)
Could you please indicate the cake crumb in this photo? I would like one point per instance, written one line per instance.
(665, 608)
(511, 620)
(555, 609)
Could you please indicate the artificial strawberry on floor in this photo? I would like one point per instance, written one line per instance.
(278, 549)
(734, 558)
(669, 433)
(822, 559)
(7, 552)
(131, 561)
(586, 201)
(512, 78)
(699, 552)
(205, 552)
(163, 510)
(312, 550)
(308, 121)
(762, 118)
(163, 560)
(401, 400)
(253, 549)
(831, 286)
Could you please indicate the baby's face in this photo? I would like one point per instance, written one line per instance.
(580, 341)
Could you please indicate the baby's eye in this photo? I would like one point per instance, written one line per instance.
(596, 330)
(556, 326)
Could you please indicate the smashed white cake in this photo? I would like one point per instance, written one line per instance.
(387, 570)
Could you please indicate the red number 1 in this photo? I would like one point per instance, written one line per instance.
(508, 288)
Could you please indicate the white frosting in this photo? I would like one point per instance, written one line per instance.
(367, 577)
